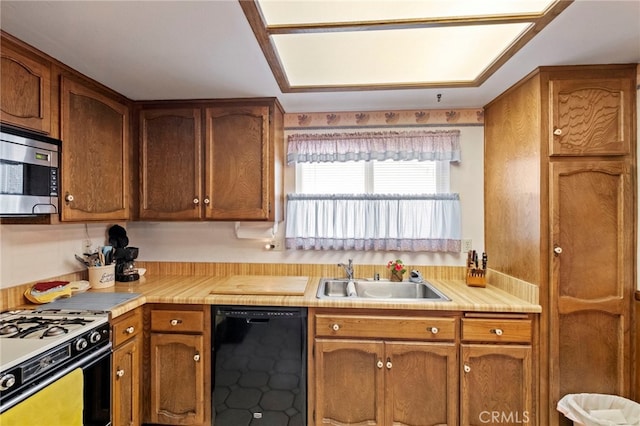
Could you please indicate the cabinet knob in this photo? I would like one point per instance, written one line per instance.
(380, 364)
(466, 368)
(196, 201)
(389, 364)
(497, 331)
(206, 201)
(196, 357)
(175, 322)
(68, 197)
(335, 327)
(557, 132)
(434, 330)
(129, 330)
(120, 373)
(557, 250)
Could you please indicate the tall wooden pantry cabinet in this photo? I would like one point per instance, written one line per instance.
(560, 187)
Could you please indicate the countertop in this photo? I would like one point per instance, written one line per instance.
(201, 289)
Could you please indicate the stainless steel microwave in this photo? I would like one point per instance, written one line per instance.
(29, 173)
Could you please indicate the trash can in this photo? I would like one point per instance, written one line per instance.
(593, 409)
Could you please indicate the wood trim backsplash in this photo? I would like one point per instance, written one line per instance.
(12, 297)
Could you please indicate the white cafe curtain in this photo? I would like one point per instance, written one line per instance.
(429, 222)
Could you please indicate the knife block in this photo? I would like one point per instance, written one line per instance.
(476, 277)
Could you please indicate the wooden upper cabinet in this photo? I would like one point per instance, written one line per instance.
(238, 171)
(217, 160)
(95, 157)
(26, 90)
(171, 164)
(591, 116)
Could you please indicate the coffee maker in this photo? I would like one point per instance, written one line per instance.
(124, 256)
(126, 270)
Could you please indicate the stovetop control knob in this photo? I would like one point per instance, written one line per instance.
(95, 337)
(81, 344)
(7, 381)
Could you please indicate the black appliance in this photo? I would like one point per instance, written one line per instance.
(260, 357)
(124, 256)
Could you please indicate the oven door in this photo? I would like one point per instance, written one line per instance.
(79, 394)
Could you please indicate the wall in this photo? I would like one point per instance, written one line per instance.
(33, 252)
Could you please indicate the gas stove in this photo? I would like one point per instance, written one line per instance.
(35, 344)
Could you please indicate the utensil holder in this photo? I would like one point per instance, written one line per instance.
(476, 277)
(102, 276)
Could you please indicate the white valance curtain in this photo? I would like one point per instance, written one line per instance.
(442, 145)
(374, 222)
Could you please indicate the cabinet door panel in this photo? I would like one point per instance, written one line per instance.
(126, 372)
(26, 91)
(171, 164)
(591, 278)
(177, 379)
(95, 138)
(591, 116)
(496, 381)
(349, 382)
(238, 165)
(421, 383)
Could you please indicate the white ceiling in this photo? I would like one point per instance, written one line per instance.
(205, 49)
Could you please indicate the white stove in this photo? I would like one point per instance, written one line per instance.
(36, 344)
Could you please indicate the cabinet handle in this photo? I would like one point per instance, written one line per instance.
(389, 364)
(380, 364)
(206, 201)
(335, 327)
(175, 322)
(433, 330)
(557, 250)
(129, 330)
(466, 368)
(496, 331)
(557, 132)
(68, 198)
(120, 373)
(196, 357)
(196, 201)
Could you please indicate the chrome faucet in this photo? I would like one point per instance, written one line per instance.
(348, 269)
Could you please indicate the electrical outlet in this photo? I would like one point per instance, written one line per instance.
(86, 246)
(467, 245)
(274, 245)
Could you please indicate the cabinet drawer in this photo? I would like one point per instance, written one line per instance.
(127, 327)
(496, 330)
(421, 328)
(177, 321)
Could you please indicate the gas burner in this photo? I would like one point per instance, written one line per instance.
(8, 329)
(56, 330)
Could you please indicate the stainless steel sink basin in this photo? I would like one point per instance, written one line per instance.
(330, 288)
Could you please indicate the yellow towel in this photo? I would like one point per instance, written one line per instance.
(59, 404)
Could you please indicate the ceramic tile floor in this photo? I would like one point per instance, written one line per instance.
(259, 381)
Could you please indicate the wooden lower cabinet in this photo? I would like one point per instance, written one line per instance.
(177, 386)
(180, 365)
(385, 383)
(126, 368)
(496, 385)
(126, 384)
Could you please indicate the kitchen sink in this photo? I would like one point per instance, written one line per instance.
(330, 288)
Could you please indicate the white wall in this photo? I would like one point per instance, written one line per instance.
(32, 252)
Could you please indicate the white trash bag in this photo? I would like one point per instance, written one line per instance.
(592, 409)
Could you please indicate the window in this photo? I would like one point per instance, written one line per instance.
(373, 177)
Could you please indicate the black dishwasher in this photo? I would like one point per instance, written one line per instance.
(260, 358)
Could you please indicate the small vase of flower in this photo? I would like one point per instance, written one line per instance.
(397, 269)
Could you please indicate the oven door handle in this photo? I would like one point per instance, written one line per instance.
(84, 362)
